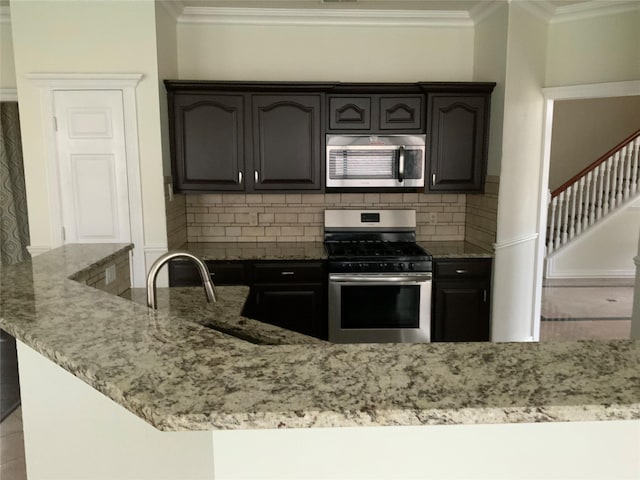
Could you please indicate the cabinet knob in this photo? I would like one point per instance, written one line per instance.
(433, 179)
(255, 175)
(240, 177)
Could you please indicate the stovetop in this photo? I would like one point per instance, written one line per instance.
(373, 242)
(377, 257)
(374, 249)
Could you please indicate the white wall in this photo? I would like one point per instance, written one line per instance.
(167, 46)
(594, 50)
(88, 37)
(489, 65)
(606, 250)
(7, 68)
(513, 306)
(328, 53)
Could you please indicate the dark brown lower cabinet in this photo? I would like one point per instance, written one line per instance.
(295, 307)
(461, 296)
(291, 295)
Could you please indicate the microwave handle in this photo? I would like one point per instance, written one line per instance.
(401, 163)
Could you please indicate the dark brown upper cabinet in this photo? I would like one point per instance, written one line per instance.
(208, 142)
(376, 113)
(286, 142)
(246, 142)
(457, 137)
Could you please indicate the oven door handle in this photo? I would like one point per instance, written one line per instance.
(380, 278)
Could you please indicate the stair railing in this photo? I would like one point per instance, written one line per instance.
(603, 186)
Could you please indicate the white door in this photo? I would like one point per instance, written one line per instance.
(92, 162)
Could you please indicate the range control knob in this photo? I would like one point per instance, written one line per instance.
(401, 266)
(412, 266)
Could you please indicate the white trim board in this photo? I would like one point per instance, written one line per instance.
(126, 82)
(325, 17)
(8, 95)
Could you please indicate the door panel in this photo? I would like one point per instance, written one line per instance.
(92, 164)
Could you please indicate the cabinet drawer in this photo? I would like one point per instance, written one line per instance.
(349, 113)
(401, 113)
(288, 272)
(185, 274)
(463, 269)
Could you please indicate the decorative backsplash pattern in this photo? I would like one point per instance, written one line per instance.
(299, 217)
(296, 217)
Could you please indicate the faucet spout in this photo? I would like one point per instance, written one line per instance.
(209, 288)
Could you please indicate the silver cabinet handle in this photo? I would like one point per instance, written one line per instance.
(255, 176)
(287, 273)
(240, 177)
(381, 279)
(461, 271)
(433, 179)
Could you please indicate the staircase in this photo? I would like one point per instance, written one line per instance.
(597, 191)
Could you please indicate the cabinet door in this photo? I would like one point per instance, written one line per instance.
(457, 133)
(350, 113)
(461, 311)
(299, 308)
(286, 142)
(208, 142)
(401, 113)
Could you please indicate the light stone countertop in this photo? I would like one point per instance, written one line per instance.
(189, 303)
(314, 250)
(179, 375)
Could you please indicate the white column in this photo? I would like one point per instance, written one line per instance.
(635, 315)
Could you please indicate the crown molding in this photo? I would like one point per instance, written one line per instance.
(593, 9)
(173, 7)
(484, 10)
(325, 17)
(542, 9)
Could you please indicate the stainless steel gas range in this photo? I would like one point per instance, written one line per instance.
(379, 277)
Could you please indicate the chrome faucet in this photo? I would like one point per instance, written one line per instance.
(209, 289)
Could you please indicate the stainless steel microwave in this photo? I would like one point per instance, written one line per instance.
(375, 161)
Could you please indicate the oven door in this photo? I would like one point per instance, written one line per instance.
(379, 307)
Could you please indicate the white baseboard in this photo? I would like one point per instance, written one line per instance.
(36, 250)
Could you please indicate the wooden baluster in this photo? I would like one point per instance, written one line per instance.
(559, 220)
(614, 201)
(635, 153)
(626, 158)
(607, 187)
(551, 224)
(580, 199)
(565, 219)
(586, 222)
(572, 218)
(600, 191)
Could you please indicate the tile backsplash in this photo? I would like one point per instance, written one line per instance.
(482, 215)
(299, 217)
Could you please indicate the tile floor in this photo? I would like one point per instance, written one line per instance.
(600, 310)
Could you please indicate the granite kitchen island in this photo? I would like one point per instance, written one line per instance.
(197, 393)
